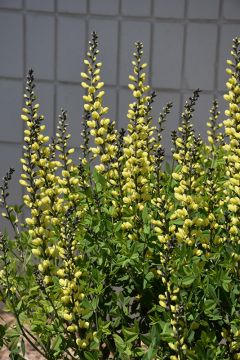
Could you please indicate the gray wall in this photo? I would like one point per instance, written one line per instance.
(186, 44)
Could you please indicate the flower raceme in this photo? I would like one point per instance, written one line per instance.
(122, 255)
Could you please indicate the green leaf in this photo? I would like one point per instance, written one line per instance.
(168, 168)
(90, 355)
(95, 302)
(119, 342)
(56, 345)
(15, 356)
(150, 353)
(209, 305)
(99, 178)
(146, 339)
(130, 334)
(188, 280)
(145, 215)
(176, 222)
(23, 349)
(3, 329)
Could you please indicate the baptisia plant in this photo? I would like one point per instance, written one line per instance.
(123, 256)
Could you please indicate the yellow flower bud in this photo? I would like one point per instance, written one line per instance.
(91, 124)
(96, 105)
(30, 221)
(65, 299)
(23, 182)
(35, 146)
(87, 107)
(84, 75)
(100, 168)
(36, 252)
(83, 344)
(172, 346)
(232, 208)
(72, 328)
(126, 225)
(24, 117)
(37, 241)
(81, 296)
(66, 316)
(131, 87)
(137, 94)
(47, 280)
(162, 303)
(78, 341)
(78, 274)
(99, 141)
(85, 85)
(100, 85)
(95, 115)
(61, 272)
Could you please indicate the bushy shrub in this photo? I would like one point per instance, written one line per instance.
(124, 256)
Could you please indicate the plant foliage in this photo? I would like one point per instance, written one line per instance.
(123, 256)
